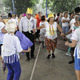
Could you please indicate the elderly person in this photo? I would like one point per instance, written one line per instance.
(10, 52)
(26, 26)
(76, 43)
(51, 34)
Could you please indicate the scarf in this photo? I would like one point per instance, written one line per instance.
(51, 30)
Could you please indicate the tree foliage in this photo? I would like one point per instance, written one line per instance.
(20, 5)
(61, 5)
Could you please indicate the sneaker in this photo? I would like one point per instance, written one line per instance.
(48, 57)
(68, 54)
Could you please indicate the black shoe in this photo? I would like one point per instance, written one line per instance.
(53, 56)
(32, 57)
(48, 57)
(71, 62)
(27, 59)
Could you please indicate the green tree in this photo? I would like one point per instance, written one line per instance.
(60, 5)
(20, 5)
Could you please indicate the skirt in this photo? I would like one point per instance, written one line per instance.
(77, 62)
(50, 44)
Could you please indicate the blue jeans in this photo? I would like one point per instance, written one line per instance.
(14, 71)
(65, 29)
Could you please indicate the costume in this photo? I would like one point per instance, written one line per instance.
(26, 26)
(12, 46)
(51, 35)
(24, 41)
(10, 54)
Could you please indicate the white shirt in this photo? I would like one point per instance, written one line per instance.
(66, 24)
(76, 36)
(26, 24)
(48, 31)
(72, 28)
(11, 45)
(72, 22)
(2, 25)
(16, 19)
(12, 20)
(43, 30)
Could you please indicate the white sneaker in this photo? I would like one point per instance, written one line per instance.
(68, 54)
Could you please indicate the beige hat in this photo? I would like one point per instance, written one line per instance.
(11, 26)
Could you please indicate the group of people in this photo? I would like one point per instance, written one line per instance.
(19, 37)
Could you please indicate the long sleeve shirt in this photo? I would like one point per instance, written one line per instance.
(27, 25)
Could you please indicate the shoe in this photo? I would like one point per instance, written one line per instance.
(53, 56)
(27, 59)
(48, 57)
(33, 57)
(71, 62)
(68, 54)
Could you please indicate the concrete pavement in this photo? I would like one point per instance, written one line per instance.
(52, 69)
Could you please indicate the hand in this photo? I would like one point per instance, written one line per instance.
(62, 34)
(66, 43)
(33, 31)
(29, 49)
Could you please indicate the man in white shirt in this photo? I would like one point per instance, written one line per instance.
(26, 26)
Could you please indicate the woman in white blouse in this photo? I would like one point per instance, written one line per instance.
(10, 52)
(51, 34)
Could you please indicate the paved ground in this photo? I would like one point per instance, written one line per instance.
(53, 69)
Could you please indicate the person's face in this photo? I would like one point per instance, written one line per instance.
(76, 17)
(51, 19)
(40, 14)
(65, 15)
(16, 15)
(28, 16)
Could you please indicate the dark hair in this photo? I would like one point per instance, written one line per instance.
(48, 20)
(58, 14)
(43, 18)
(65, 13)
(39, 12)
(77, 9)
(9, 15)
(71, 13)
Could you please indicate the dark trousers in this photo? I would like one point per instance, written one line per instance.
(32, 38)
(38, 34)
